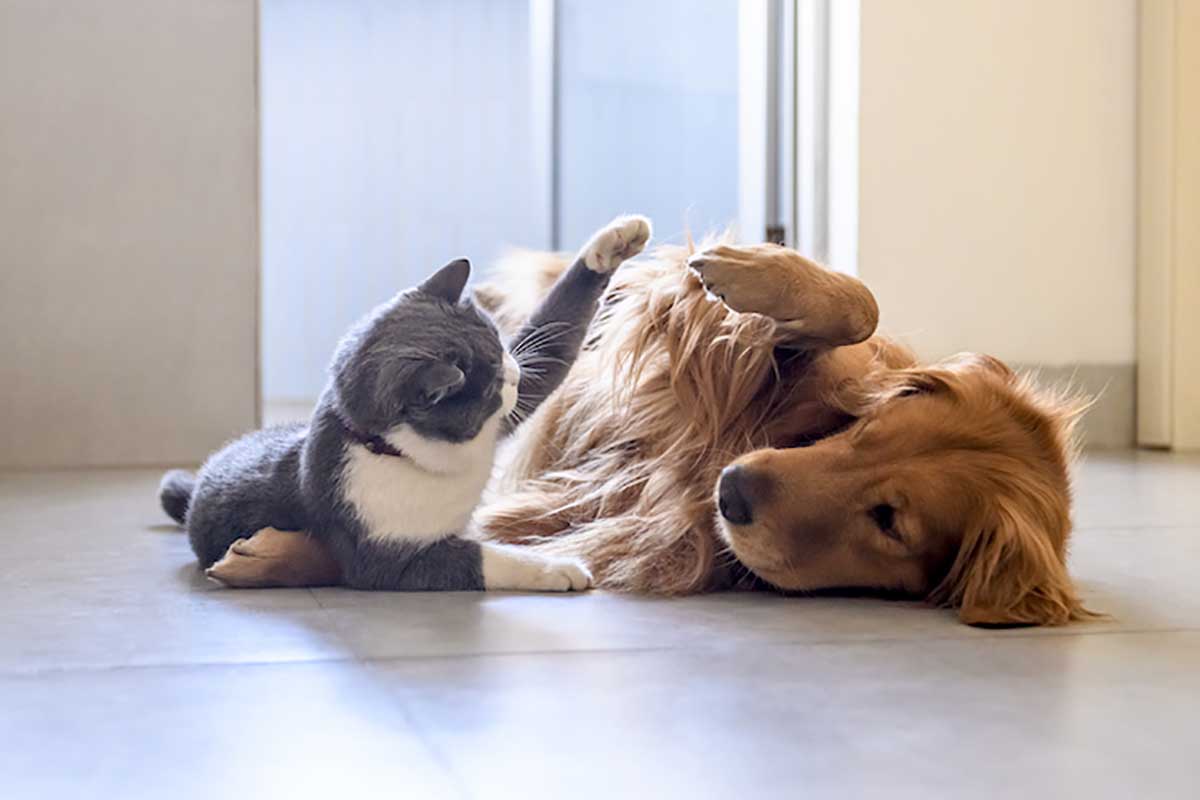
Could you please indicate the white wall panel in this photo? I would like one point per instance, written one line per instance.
(128, 230)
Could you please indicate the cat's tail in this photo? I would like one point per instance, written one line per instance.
(175, 493)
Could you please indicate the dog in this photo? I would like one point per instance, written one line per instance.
(734, 420)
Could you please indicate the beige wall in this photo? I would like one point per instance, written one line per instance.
(997, 176)
(128, 204)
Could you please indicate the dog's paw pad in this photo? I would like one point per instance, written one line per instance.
(240, 568)
(615, 243)
(268, 558)
(733, 279)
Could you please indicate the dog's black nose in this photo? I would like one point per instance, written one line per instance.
(731, 496)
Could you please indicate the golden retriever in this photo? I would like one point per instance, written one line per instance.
(733, 418)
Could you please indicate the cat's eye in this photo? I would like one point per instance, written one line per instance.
(884, 517)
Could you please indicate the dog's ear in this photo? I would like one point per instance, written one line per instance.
(967, 362)
(488, 296)
(1009, 573)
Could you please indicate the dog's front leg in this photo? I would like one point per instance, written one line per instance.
(815, 306)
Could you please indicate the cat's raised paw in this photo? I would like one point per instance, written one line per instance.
(615, 243)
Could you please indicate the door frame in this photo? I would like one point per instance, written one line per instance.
(1168, 254)
(770, 116)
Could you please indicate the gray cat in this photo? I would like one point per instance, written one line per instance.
(400, 446)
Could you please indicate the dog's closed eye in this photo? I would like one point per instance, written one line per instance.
(884, 517)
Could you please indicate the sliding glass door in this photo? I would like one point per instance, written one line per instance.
(397, 134)
(648, 115)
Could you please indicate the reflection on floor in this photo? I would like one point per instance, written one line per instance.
(123, 673)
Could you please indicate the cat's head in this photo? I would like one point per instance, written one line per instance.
(429, 360)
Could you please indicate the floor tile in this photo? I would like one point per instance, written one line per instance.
(295, 731)
(400, 625)
(1137, 489)
(120, 667)
(90, 576)
(1143, 578)
(1080, 716)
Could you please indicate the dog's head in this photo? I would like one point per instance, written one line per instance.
(952, 484)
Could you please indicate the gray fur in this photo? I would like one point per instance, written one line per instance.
(175, 491)
(427, 360)
(547, 345)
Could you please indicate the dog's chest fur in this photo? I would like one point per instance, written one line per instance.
(429, 494)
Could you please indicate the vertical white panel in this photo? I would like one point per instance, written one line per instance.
(811, 78)
(543, 75)
(842, 141)
(753, 104)
(396, 136)
(128, 209)
(1186, 350)
(1156, 196)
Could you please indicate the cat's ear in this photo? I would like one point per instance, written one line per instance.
(448, 282)
(435, 382)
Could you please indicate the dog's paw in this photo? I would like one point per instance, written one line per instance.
(517, 569)
(738, 277)
(615, 243)
(273, 558)
(243, 567)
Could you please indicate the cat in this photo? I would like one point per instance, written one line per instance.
(401, 444)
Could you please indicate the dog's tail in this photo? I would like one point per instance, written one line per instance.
(175, 493)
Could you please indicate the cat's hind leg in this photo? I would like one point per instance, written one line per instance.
(816, 307)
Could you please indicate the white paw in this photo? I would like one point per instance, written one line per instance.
(615, 243)
(517, 569)
(560, 575)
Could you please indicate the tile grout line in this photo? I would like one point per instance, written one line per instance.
(374, 660)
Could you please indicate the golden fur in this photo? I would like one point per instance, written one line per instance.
(621, 465)
(729, 359)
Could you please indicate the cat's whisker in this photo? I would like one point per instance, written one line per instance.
(541, 359)
(538, 365)
(540, 337)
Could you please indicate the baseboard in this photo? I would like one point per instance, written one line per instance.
(1111, 422)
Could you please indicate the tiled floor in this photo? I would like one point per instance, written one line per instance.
(124, 674)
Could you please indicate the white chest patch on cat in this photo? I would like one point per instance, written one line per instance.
(428, 494)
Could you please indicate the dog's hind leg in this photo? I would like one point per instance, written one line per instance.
(814, 306)
(524, 517)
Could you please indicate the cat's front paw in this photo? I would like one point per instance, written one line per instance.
(565, 575)
(506, 567)
(615, 243)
